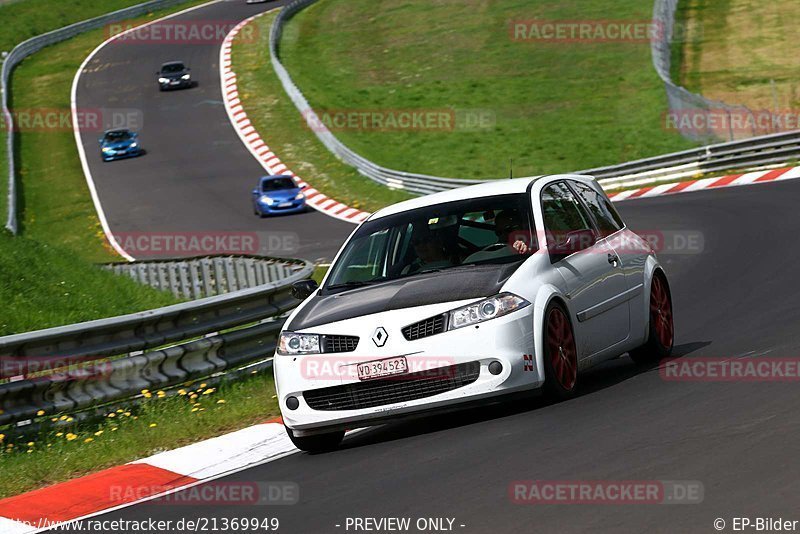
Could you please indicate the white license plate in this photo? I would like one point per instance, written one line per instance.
(381, 368)
(284, 204)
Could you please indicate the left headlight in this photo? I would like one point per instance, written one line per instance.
(134, 145)
(485, 310)
(291, 344)
(266, 200)
(186, 76)
(163, 80)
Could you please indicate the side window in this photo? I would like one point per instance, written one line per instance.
(562, 212)
(604, 213)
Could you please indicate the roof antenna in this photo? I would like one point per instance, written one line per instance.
(511, 168)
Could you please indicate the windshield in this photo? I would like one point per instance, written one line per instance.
(118, 136)
(172, 68)
(466, 232)
(277, 184)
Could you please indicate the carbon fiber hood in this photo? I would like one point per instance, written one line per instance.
(421, 290)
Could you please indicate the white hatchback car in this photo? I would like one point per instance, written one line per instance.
(465, 295)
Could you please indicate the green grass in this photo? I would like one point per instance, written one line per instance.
(54, 200)
(43, 285)
(24, 19)
(285, 131)
(742, 52)
(158, 424)
(557, 106)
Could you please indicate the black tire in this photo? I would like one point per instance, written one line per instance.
(660, 329)
(318, 442)
(561, 369)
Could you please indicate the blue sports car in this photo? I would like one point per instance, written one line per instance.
(277, 194)
(118, 144)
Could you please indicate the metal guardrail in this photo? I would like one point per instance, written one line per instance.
(83, 365)
(195, 278)
(33, 45)
(756, 151)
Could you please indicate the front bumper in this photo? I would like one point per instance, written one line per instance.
(507, 340)
(294, 206)
(131, 153)
(175, 84)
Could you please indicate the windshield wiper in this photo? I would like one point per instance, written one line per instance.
(351, 284)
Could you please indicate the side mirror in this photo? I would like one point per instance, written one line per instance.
(303, 289)
(255, 191)
(100, 141)
(573, 242)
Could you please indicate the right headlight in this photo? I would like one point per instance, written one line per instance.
(163, 80)
(291, 344)
(485, 310)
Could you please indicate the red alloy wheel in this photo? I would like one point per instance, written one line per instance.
(661, 312)
(561, 349)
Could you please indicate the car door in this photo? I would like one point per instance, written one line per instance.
(592, 272)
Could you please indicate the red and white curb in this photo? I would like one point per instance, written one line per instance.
(145, 479)
(256, 145)
(755, 177)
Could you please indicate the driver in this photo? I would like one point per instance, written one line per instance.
(505, 224)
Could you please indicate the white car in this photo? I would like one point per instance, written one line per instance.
(465, 295)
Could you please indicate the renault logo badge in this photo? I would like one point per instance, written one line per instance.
(380, 336)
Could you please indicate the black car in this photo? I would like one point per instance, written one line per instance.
(174, 75)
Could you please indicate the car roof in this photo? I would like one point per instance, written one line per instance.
(490, 188)
(275, 177)
(168, 63)
(118, 130)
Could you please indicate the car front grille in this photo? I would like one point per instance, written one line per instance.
(400, 388)
(336, 343)
(424, 328)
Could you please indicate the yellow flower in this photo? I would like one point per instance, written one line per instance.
(59, 434)
(203, 385)
(62, 418)
(120, 410)
(70, 419)
(88, 440)
(127, 414)
(40, 413)
(181, 392)
(114, 429)
(145, 391)
(193, 396)
(221, 401)
(161, 394)
(98, 433)
(209, 391)
(153, 425)
(147, 395)
(30, 451)
(2, 437)
(31, 444)
(71, 436)
(112, 414)
(54, 419)
(195, 409)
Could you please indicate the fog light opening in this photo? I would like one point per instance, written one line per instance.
(495, 368)
(292, 403)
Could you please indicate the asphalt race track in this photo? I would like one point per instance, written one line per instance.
(197, 175)
(734, 298)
